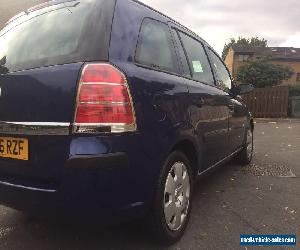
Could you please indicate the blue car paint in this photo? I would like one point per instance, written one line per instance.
(40, 95)
(164, 110)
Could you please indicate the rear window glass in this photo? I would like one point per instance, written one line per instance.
(155, 46)
(49, 36)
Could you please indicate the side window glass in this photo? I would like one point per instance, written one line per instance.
(223, 77)
(154, 46)
(201, 70)
(183, 59)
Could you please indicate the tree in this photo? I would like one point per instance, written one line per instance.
(244, 42)
(262, 73)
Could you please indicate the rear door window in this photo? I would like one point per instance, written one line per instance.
(222, 74)
(155, 47)
(197, 58)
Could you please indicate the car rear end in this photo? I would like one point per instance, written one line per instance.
(68, 132)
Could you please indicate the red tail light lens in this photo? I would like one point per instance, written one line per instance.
(103, 92)
(104, 100)
(102, 73)
(101, 113)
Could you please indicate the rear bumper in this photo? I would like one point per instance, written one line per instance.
(81, 206)
(27, 199)
(101, 186)
(110, 177)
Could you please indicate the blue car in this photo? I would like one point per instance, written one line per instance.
(112, 109)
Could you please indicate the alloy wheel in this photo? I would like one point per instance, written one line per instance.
(177, 196)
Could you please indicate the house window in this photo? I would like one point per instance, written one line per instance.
(243, 58)
(298, 77)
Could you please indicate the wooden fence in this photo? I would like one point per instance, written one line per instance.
(269, 102)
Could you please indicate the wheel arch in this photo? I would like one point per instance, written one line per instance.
(189, 148)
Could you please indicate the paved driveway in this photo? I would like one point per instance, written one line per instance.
(261, 198)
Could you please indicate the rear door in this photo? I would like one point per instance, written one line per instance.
(207, 106)
(41, 56)
(159, 92)
(237, 114)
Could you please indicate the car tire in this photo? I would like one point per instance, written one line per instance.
(172, 202)
(245, 156)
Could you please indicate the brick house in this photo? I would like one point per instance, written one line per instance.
(286, 56)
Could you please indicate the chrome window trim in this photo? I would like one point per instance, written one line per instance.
(35, 128)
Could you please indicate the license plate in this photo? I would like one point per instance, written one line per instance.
(15, 148)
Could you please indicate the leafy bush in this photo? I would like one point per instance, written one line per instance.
(263, 73)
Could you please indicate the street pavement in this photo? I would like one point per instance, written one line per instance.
(262, 198)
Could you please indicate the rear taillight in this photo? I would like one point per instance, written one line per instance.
(104, 103)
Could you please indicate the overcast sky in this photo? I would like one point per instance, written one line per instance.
(216, 21)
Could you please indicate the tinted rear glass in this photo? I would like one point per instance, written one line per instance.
(60, 33)
(155, 46)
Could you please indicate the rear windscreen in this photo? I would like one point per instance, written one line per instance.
(59, 33)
